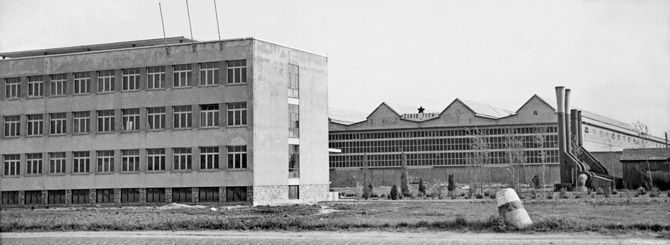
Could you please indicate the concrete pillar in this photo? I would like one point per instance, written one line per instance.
(195, 75)
(94, 161)
(143, 160)
(69, 84)
(69, 127)
(169, 76)
(45, 197)
(143, 195)
(118, 121)
(223, 73)
(23, 93)
(94, 82)
(22, 197)
(169, 159)
(68, 162)
(194, 195)
(250, 194)
(2, 126)
(222, 193)
(46, 126)
(2, 89)
(68, 196)
(143, 119)
(118, 81)
(168, 195)
(94, 121)
(196, 116)
(143, 79)
(223, 116)
(117, 162)
(117, 196)
(223, 159)
(91, 196)
(196, 158)
(169, 114)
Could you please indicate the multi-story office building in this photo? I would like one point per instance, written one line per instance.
(521, 143)
(164, 120)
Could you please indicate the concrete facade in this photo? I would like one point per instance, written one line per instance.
(263, 131)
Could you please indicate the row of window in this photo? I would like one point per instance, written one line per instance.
(420, 133)
(128, 195)
(130, 119)
(130, 160)
(130, 78)
(614, 136)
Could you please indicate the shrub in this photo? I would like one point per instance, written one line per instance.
(422, 188)
(492, 196)
(367, 191)
(394, 192)
(450, 181)
(563, 193)
(641, 191)
(479, 196)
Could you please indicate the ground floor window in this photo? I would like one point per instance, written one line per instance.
(56, 196)
(208, 194)
(181, 194)
(130, 195)
(236, 194)
(293, 192)
(104, 196)
(10, 197)
(80, 196)
(33, 197)
(155, 194)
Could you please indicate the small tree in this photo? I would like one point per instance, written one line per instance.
(450, 183)
(404, 181)
(422, 188)
(394, 192)
(367, 191)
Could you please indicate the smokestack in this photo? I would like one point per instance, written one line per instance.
(561, 120)
(579, 126)
(574, 126)
(568, 137)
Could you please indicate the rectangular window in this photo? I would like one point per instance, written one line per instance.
(155, 159)
(57, 162)
(131, 160)
(182, 195)
(209, 157)
(81, 121)
(35, 86)
(209, 115)
(34, 163)
(56, 196)
(155, 195)
(105, 161)
(12, 126)
(11, 165)
(293, 192)
(106, 81)
(131, 119)
(80, 196)
(131, 195)
(208, 194)
(182, 116)
(237, 113)
(156, 77)
(12, 88)
(208, 73)
(182, 76)
(294, 161)
(58, 85)
(35, 124)
(81, 162)
(10, 197)
(156, 118)
(104, 195)
(82, 83)
(237, 71)
(130, 79)
(106, 121)
(182, 158)
(57, 123)
(293, 81)
(236, 194)
(237, 156)
(33, 197)
(293, 121)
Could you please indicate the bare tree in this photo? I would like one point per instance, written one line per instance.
(516, 155)
(642, 130)
(539, 140)
(480, 155)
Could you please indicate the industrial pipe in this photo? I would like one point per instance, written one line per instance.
(568, 138)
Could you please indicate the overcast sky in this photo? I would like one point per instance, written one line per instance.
(614, 55)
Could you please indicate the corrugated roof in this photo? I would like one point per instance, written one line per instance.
(642, 154)
(607, 120)
(344, 116)
(487, 110)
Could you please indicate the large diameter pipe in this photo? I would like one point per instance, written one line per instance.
(568, 137)
(561, 120)
(580, 135)
(574, 126)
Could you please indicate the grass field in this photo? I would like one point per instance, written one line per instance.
(607, 215)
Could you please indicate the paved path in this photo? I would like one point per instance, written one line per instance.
(233, 237)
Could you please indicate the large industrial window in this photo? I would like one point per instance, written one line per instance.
(10, 197)
(293, 121)
(208, 194)
(131, 160)
(106, 81)
(104, 195)
(155, 195)
(82, 83)
(209, 115)
(12, 88)
(182, 76)
(81, 122)
(156, 118)
(130, 195)
(81, 162)
(35, 86)
(237, 113)
(106, 121)
(130, 119)
(58, 85)
(209, 73)
(155, 159)
(80, 196)
(35, 124)
(11, 165)
(57, 123)
(182, 158)
(237, 71)
(57, 162)
(293, 192)
(130, 79)
(12, 126)
(294, 161)
(236, 194)
(237, 156)
(56, 196)
(293, 81)
(182, 116)
(181, 195)
(105, 161)
(209, 157)
(34, 163)
(32, 197)
(155, 77)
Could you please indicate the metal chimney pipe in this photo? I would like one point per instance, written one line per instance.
(561, 120)
(574, 125)
(568, 137)
(580, 135)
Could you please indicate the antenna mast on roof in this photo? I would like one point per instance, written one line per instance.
(188, 12)
(216, 13)
(163, 24)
